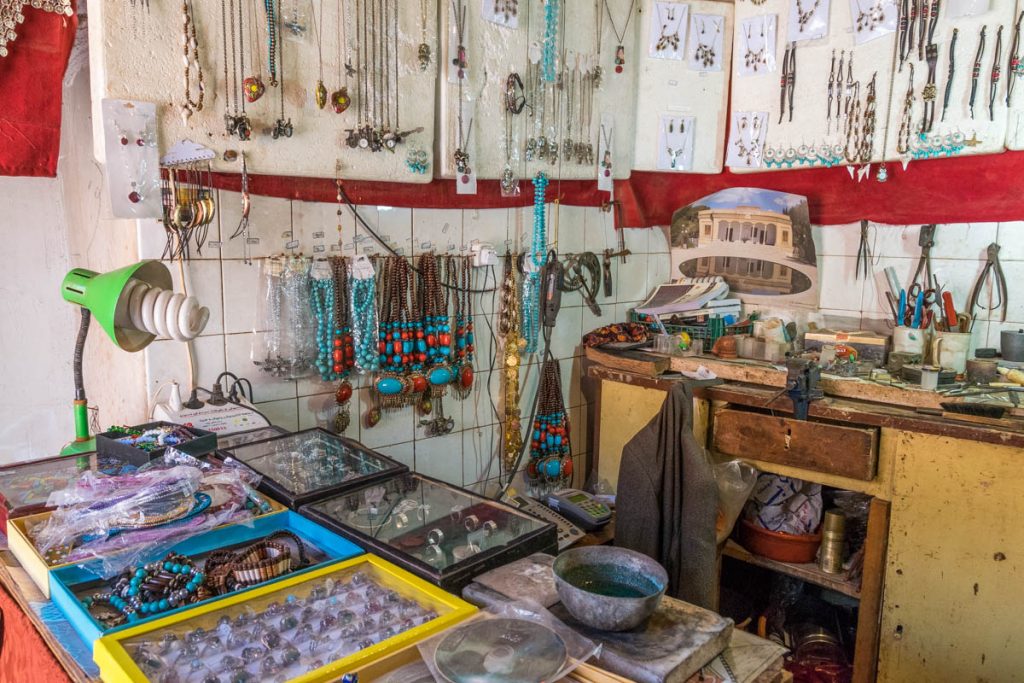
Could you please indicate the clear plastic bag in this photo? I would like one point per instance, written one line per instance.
(509, 654)
(362, 285)
(124, 519)
(736, 479)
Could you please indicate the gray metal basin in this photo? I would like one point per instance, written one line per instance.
(608, 588)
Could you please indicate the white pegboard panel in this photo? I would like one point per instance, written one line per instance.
(810, 125)
(494, 51)
(136, 53)
(675, 92)
(1015, 115)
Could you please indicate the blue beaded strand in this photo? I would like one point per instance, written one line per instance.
(549, 47)
(321, 296)
(364, 323)
(531, 283)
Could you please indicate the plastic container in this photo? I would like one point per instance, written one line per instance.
(775, 545)
(107, 444)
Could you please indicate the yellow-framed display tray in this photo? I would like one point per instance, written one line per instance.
(19, 542)
(117, 665)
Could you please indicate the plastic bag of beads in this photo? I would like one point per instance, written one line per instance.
(287, 349)
(363, 286)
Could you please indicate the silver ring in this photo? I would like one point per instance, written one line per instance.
(435, 536)
(472, 523)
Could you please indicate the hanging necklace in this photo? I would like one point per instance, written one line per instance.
(755, 59)
(340, 100)
(705, 52)
(508, 327)
(976, 69)
(459, 11)
(997, 66)
(802, 17)
(252, 86)
(597, 71)
(461, 153)
(903, 137)
(514, 103)
(320, 91)
(462, 380)
(535, 259)
(606, 158)
(549, 45)
(343, 345)
(271, 11)
(667, 41)
(620, 48)
(550, 463)
(831, 93)
(869, 21)
(1016, 69)
(236, 122)
(190, 47)
(949, 73)
(423, 52)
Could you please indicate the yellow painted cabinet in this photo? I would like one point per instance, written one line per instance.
(954, 587)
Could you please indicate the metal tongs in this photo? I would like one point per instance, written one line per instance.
(992, 265)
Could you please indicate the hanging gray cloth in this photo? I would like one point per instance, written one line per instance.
(667, 500)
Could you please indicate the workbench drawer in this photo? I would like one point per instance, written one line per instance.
(831, 449)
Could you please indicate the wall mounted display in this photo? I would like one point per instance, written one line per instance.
(758, 241)
(746, 139)
(297, 87)
(696, 92)
(443, 534)
(133, 161)
(675, 143)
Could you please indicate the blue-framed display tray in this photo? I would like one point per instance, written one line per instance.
(326, 546)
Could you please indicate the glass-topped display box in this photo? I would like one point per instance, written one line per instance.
(229, 441)
(441, 533)
(311, 465)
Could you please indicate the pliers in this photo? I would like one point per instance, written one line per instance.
(926, 240)
(991, 265)
(863, 253)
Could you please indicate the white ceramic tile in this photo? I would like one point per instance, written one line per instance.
(481, 453)
(892, 241)
(601, 233)
(839, 288)
(836, 240)
(658, 270)
(241, 286)
(622, 310)
(567, 333)
(486, 226)
(630, 282)
(441, 458)
(637, 239)
(963, 240)
(1011, 241)
(153, 240)
(394, 427)
(958, 277)
(483, 340)
(487, 282)
(317, 411)
(203, 281)
(571, 369)
(479, 407)
(404, 453)
(282, 413)
(242, 349)
(269, 218)
(315, 226)
(571, 229)
(592, 322)
(874, 303)
(436, 230)
(167, 360)
(658, 240)
(451, 407)
(394, 225)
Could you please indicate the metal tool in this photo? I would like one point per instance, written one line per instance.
(802, 379)
(992, 265)
(926, 240)
(607, 267)
(863, 252)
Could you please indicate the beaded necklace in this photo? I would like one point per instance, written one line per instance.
(531, 283)
(550, 463)
(364, 316)
(322, 296)
(152, 588)
(462, 380)
(508, 326)
(395, 343)
(343, 353)
(550, 44)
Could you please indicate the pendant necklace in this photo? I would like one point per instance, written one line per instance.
(869, 21)
(461, 154)
(667, 41)
(462, 380)
(282, 127)
(831, 93)
(340, 100)
(190, 47)
(343, 346)
(803, 17)
(1016, 69)
(755, 59)
(903, 137)
(423, 52)
(320, 91)
(236, 122)
(514, 103)
(620, 48)
(597, 72)
(459, 12)
(705, 53)
(252, 86)
(550, 464)
(606, 157)
(585, 147)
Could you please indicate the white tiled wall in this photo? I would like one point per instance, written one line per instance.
(467, 456)
(958, 258)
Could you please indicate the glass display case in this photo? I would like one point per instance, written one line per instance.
(26, 486)
(444, 534)
(313, 627)
(312, 464)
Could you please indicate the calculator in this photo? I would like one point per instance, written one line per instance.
(580, 507)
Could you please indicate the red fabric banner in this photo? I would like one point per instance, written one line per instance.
(31, 79)
(986, 188)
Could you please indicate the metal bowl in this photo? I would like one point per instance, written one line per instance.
(607, 588)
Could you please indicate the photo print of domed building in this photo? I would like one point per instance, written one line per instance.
(758, 241)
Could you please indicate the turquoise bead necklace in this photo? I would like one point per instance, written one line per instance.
(550, 463)
(531, 283)
(152, 588)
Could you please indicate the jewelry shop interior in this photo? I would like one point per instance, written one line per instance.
(511, 341)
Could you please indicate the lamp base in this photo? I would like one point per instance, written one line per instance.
(79, 447)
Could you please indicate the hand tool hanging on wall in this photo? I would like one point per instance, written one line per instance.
(584, 276)
(863, 252)
(926, 240)
(993, 266)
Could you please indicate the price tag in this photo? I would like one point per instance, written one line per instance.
(294, 244)
(318, 249)
(318, 235)
(252, 240)
(215, 245)
(428, 245)
(335, 247)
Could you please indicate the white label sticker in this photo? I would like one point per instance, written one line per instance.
(318, 249)
(362, 269)
(252, 240)
(294, 244)
(215, 245)
(318, 235)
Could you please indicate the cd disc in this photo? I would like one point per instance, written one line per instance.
(500, 651)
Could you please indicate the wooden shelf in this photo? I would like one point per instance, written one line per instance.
(806, 572)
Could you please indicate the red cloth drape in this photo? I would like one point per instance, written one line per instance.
(24, 655)
(986, 188)
(31, 78)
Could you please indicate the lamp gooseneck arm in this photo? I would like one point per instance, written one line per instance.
(83, 331)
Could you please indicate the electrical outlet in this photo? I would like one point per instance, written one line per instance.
(484, 255)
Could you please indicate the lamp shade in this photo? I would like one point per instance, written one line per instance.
(104, 296)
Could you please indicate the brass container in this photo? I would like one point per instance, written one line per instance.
(833, 542)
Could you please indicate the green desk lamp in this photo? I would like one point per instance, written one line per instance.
(133, 305)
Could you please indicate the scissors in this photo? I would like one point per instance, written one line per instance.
(930, 297)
